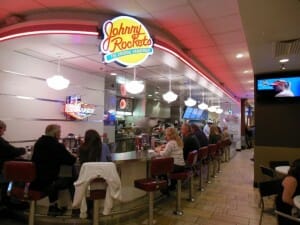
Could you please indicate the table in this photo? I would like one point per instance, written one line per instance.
(296, 200)
(282, 169)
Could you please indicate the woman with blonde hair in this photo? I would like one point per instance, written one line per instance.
(214, 135)
(173, 148)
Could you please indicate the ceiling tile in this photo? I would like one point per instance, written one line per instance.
(159, 5)
(224, 24)
(215, 8)
(229, 37)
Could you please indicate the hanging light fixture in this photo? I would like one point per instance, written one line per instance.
(219, 110)
(58, 82)
(203, 105)
(170, 96)
(190, 101)
(134, 86)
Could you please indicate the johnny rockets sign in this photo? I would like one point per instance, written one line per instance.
(125, 41)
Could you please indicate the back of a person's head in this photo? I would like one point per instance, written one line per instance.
(194, 127)
(52, 129)
(2, 124)
(91, 136)
(295, 169)
(214, 130)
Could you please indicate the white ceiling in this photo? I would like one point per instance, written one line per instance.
(211, 32)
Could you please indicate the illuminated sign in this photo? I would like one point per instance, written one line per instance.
(126, 41)
(75, 108)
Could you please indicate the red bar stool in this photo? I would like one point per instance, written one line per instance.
(95, 194)
(158, 167)
(212, 149)
(22, 171)
(202, 159)
(181, 176)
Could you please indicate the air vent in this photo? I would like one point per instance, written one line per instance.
(286, 48)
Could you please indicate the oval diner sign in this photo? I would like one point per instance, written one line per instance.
(125, 41)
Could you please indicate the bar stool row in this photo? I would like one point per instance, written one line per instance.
(211, 156)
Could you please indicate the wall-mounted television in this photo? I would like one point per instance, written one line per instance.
(277, 87)
(191, 113)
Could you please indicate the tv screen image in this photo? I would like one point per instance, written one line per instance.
(191, 113)
(282, 86)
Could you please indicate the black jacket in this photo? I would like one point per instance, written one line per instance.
(8, 152)
(48, 156)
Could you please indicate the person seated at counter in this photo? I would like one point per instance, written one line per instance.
(173, 148)
(92, 149)
(190, 142)
(7, 152)
(49, 155)
(214, 135)
(290, 187)
(202, 139)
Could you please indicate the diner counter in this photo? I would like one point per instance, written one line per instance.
(131, 166)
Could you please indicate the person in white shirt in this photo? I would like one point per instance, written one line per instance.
(283, 88)
(206, 128)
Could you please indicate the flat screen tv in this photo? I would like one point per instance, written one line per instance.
(191, 113)
(278, 87)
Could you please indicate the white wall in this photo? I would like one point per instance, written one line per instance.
(21, 75)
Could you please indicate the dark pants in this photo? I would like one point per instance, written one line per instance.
(60, 184)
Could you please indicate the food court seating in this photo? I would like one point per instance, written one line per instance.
(182, 176)
(202, 159)
(22, 172)
(267, 172)
(95, 194)
(274, 164)
(212, 150)
(292, 219)
(158, 167)
(267, 188)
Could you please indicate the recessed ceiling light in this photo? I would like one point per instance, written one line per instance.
(239, 55)
(250, 81)
(149, 95)
(113, 74)
(283, 60)
(157, 92)
(246, 71)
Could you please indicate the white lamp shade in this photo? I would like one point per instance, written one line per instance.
(134, 87)
(170, 96)
(219, 110)
(58, 82)
(190, 102)
(212, 109)
(203, 106)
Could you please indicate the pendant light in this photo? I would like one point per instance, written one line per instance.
(170, 96)
(58, 82)
(203, 105)
(134, 86)
(190, 101)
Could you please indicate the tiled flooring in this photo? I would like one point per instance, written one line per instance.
(230, 199)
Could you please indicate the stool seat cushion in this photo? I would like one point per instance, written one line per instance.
(181, 175)
(96, 194)
(150, 184)
(18, 192)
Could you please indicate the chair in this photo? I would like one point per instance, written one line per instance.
(212, 150)
(268, 172)
(219, 154)
(274, 164)
(202, 157)
(25, 172)
(268, 188)
(95, 194)
(288, 217)
(158, 167)
(182, 176)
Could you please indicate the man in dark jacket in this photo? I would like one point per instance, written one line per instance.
(7, 152)
(49, 155)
